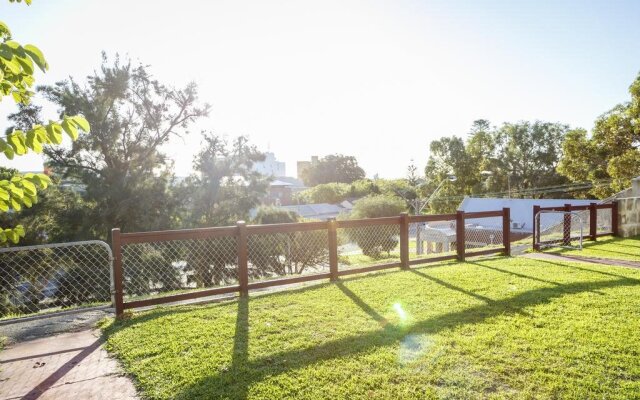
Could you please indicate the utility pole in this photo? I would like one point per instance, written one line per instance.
(418, 205)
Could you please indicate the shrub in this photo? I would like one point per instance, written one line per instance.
(374, 243)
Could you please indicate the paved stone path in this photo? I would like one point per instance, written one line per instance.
(31, 328)
(66, 366)
(592, 260)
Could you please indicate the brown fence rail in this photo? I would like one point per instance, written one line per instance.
(153, 268)
(601, 220)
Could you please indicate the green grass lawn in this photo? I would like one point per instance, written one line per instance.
(492, 328)
(607, 247)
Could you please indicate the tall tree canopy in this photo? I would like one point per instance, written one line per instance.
(122, 163)
(224, 187)
(334, 168)
(17, 69)
(610, 156)
(521, 155)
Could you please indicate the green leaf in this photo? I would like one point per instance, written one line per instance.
(12, 65)
(12, 235)
(33, 141)
(15, 191)
(4, 29)
(6, 149)
(26, 64)
(17, 141)
(70, 128)
(15, 204)
(29, 187)
(81, 122)
(19, 229)
(37, 56)
(4, 205)
(54, 132)
(4, 195)
(16, 48)
(43, 180)
(5, 52)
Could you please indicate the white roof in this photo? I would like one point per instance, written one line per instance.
(280, 183)
(521, 209)
(321, 211)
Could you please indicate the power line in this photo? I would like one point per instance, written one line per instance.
(565, 188)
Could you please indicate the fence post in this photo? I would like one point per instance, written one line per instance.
(460, 235)
(404, 240)
(536, 229)
(566, 225)
(614, 218)
(506, 230)
(243, 259)
(333, 249)
(116, 266)
(593, 221)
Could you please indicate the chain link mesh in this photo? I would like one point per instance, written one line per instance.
(483, 233)
(561, 228)
(178, 265)
(55, 276)
(274, 255)
(368, 245)
(432, 239)
(604, 222)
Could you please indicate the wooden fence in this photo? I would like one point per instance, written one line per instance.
(241, 233)
(591, 211)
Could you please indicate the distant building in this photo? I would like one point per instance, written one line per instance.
(270, 166)
(322, 211)
(521, 210)
(280, 194)
(302, 166)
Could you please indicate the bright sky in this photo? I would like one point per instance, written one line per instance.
(374, 79)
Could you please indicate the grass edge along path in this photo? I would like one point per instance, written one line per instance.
(607, 247)
(493, 328)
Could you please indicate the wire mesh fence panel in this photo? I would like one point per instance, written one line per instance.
(177, 266)
(368, 245)
(54, 276)
(604, 222)
(560, 228)
(275, 255)
(483, 233)
(432, 239)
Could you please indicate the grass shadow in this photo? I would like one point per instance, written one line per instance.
(453, 287)
(232, 383)
(364, 306)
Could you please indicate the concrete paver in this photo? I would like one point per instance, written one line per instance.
(579, 258)
(66, 366)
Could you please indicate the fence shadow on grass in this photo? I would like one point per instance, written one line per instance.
(234, 382)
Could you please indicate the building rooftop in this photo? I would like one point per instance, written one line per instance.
(521, 210)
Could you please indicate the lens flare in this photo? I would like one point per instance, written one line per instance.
(412, 347)
(400, 311)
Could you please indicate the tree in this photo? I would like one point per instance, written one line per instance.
(325, 193)
(519, 156)
(336, 168)
(224, 188)
(285, 253)
(17, 69)
(448, 156)
(222, 191)
(59, 216)
(530, 153)
(122, 164)
(383, 240)
(610, 156)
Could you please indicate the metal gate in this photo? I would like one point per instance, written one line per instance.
(554, 228)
